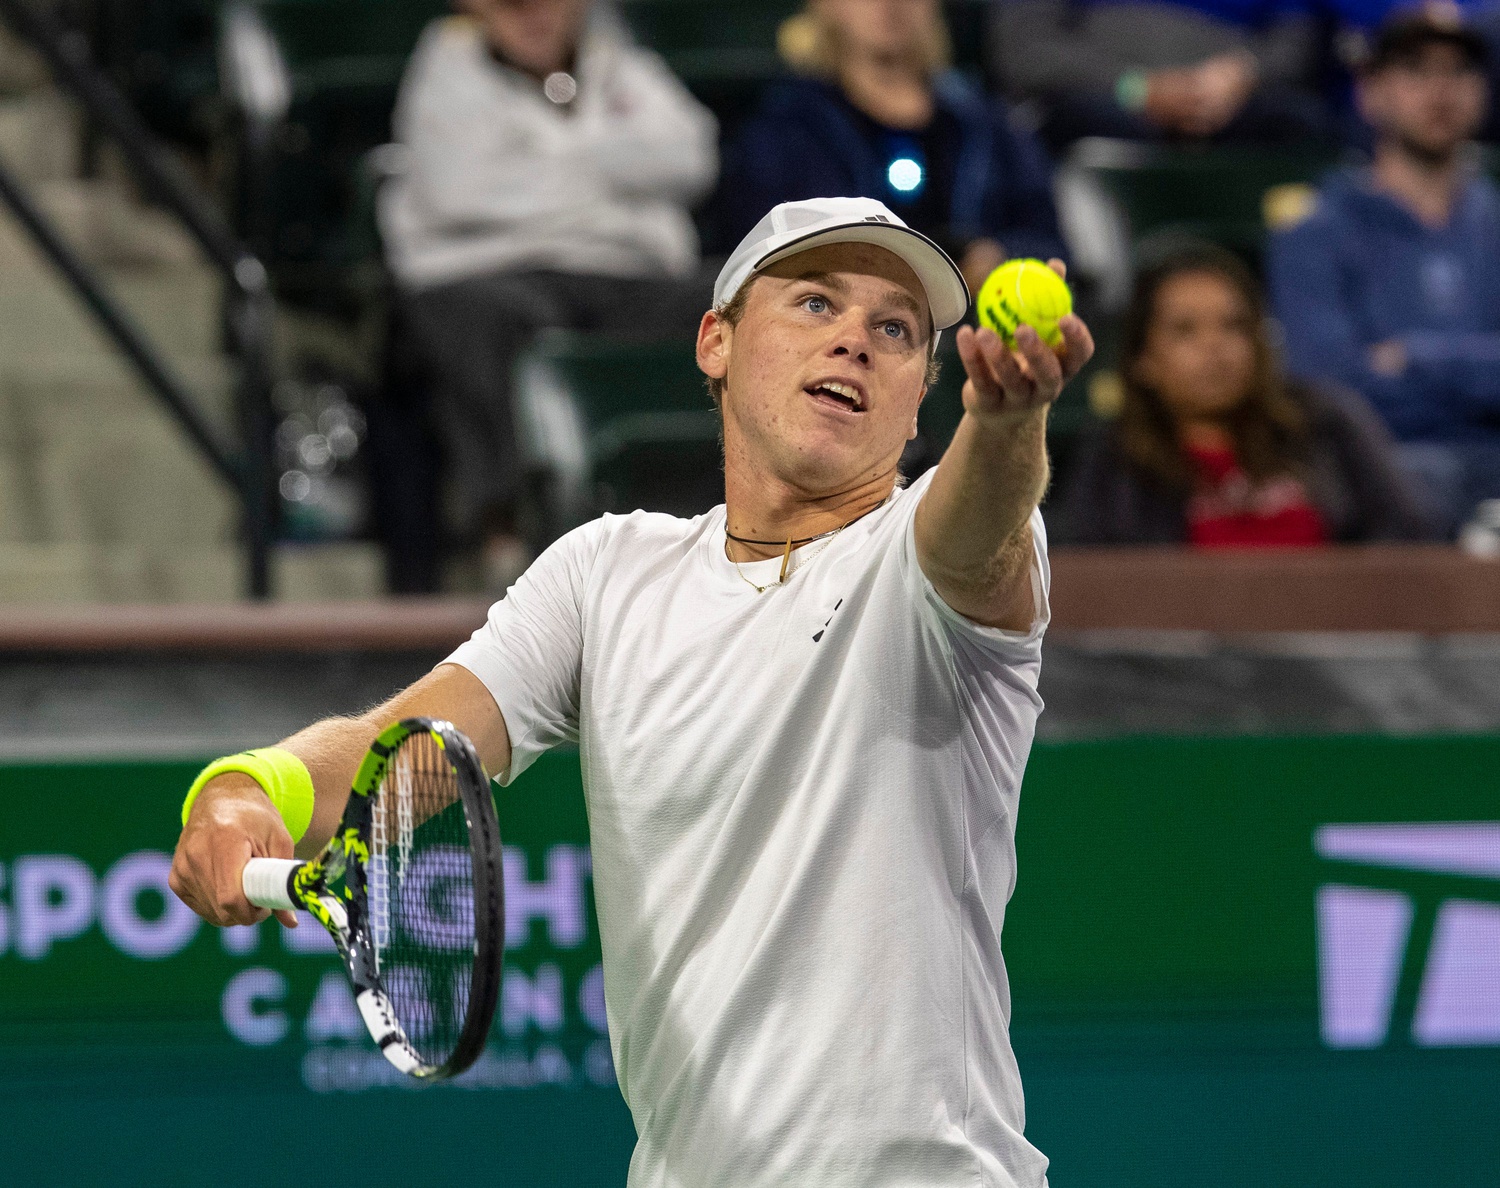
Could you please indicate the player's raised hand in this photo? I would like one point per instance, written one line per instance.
(231, 822)
(1004, 382)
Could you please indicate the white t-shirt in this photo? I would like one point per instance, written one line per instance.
(802, 810)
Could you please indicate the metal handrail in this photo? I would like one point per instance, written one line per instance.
(248, 311)
(120, 325)
(68, 54)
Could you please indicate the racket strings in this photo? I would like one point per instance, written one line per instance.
(378, 882)
(404, 797)
(385, 867)
(422, 896)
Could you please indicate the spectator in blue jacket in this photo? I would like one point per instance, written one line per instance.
(1392, 284)
(874, 112)
(1163, 70)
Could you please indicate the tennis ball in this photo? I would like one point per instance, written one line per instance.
(1024, 291)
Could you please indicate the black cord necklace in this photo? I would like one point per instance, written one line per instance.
(801, 540)
(791, 543)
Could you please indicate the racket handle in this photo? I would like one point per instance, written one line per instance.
(267, 881)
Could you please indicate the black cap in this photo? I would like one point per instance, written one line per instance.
(1403, 38)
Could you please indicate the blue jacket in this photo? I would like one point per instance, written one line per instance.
(805, 141)
(1361, 270)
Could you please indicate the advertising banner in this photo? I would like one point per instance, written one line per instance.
(1233, 962)
(1255, 961)
(135, 1037)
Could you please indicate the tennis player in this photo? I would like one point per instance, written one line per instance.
(803, 720)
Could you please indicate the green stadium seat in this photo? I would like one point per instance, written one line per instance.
(724, 51)
(702, 41)
(347, 44)
(615, 426)
(162, 56)
(967, 20)
(943, 407)
(309, 212)
(1489, 160)
(1219, 194)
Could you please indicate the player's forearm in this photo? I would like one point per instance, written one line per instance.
(233, 820)
(973, 527)
(333, 749)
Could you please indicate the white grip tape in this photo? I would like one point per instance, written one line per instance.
(265, 881)
(380, 1019)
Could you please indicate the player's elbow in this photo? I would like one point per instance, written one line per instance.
(996, 593)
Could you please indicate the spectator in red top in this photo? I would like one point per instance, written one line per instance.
(1214, 446)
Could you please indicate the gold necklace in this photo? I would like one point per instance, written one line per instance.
(786, 560)
(786, 557)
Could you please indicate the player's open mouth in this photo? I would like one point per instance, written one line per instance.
(839, 395)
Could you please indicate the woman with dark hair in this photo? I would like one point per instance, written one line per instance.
(1214, 446)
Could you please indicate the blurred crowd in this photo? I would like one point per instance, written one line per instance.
(1339, 381)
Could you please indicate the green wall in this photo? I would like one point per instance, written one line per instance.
(1164, 962)
(1163, 949)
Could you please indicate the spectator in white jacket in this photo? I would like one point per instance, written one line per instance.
(548, 171)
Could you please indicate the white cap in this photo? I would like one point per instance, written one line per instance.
(795, 227)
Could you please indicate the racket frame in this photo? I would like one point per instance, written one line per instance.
(346, 917)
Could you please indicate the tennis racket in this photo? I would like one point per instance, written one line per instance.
(410, 888)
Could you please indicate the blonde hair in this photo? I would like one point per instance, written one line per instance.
(808, 43)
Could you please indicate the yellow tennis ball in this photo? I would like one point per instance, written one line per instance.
(1024, 291)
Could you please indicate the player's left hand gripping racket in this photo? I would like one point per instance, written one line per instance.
(410, 887)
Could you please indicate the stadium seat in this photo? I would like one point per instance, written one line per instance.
(1489, 159)
(162, 55)
(614, 426)
(302, 200)
(1214, 193)
(348, 43)
(943, 408)
(302, 204)
(701, 41)
(967, 20)
(725, 52)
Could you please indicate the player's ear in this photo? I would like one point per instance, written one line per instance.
(714, 335)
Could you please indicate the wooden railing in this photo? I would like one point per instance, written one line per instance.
(404, 624)
(1413, 588)
(1429, 590)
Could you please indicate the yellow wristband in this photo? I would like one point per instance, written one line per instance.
(281, 774)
